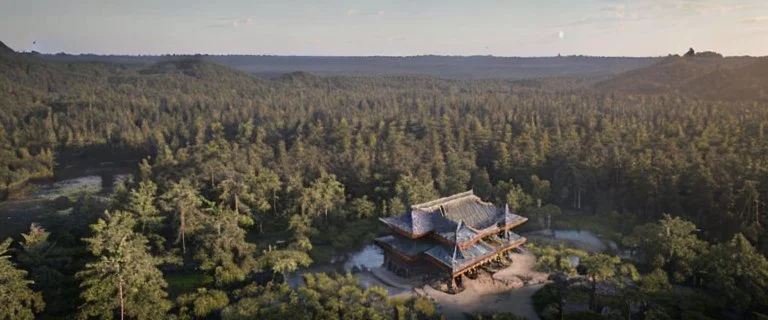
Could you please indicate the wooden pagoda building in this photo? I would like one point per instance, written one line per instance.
(449, 236)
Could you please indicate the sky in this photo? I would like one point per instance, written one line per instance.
(387, 28)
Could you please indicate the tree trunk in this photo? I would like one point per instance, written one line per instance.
(578, 199)
(592, 294)
(183, 240)
(549, 221)
(237, 204)
(122, 300)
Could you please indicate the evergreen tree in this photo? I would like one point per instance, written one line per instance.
(17, 300)
(142, 203)
(411, 190)
(123, 281)
(264, 186)
(361, 208)
(671, 243)
(736, 270)
(457, 174)
(223, 250)
(41, 257)
(481, 184)
(324, 194)
(184, 202)
(201, 304)
(598, 267)
(49, 265)
(283, 262)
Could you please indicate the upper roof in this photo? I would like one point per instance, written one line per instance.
(460, 217)
(465, 206)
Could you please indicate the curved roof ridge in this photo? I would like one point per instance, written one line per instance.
(430, 205)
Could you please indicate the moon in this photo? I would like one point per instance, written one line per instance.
(561, 34)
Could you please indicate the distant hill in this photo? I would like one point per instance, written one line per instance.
(6, 50)
(472, 67)
(39, 77)
(706, 75)
(193, 67)
(749, 82)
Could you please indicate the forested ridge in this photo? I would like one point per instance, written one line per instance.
(706, 75)
(458, 67)
(242, 174)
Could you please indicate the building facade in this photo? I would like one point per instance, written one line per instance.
(448, 236)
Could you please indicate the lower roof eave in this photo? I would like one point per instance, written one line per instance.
(478, 261)
(388, 248)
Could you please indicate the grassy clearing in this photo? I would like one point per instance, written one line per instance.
(602, 227)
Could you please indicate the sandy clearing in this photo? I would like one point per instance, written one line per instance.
(509, 290)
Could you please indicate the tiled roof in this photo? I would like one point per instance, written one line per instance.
(403, 222)
(465, 207)
(510, 218)
(442, 217)
(468, 256)
(407, 246)
(465, 234)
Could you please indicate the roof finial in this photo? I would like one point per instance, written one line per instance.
(456, 241)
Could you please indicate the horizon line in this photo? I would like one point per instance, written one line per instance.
(559, 55)
(358, 56)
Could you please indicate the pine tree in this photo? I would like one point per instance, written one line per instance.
(457, 174)
(412, 189)
(234, 191)
(223, 250)
(40, 257)
(17, 300)
(123, 280)
(324, 194)
(481, 183)
(264, 187)
(141, 202)
(598, 267)
(738, 272)
(184, 200)
(201, 304)
(47, 262)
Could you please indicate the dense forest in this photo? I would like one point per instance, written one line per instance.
(242, 177)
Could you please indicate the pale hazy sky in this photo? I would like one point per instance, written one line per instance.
(395, 27)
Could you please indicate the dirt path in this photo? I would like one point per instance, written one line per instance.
(468, 302)
(509, 290)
